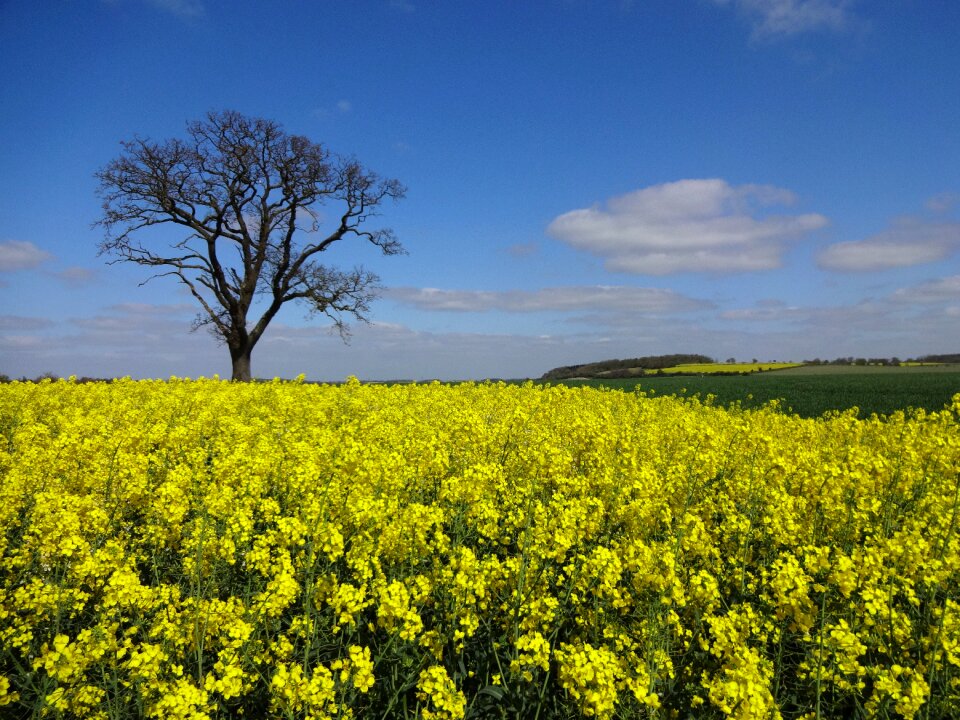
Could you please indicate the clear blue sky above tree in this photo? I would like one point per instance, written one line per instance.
(776, 179)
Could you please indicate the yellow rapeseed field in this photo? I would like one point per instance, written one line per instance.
(204, 549)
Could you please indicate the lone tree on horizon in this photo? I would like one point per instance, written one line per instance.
(246, 192)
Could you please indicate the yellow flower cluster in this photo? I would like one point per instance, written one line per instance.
(438, 692)
(207, 550)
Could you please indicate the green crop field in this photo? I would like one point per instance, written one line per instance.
(810, 391)
(727, 368)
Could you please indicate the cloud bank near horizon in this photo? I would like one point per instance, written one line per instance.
(554, 299)
(155, 339)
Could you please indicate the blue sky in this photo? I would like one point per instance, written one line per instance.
(771, 179)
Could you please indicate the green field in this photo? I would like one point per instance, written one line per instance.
(726, 368)
(810, 391)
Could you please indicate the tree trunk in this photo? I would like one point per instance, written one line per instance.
(241, 363)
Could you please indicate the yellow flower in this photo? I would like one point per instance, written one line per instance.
(7, 697)
(437, 690)
(591, 675)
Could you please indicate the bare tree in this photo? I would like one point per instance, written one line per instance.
(247, 195)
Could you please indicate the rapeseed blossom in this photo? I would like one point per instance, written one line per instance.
(202, 549)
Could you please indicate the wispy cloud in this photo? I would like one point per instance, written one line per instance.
(153, 341)
(557, 299)
(341, 107)
(394, 351)
(944, 202)
(687, 226)
(19, 322)
(913, 301)
(763, 311)
(772, 19)
(77, 276)
(520, 250)
(910, 241)
(20, 255)
(934, 291)
(127, 339)
(135, 309)
(184, 9)
(136, 324)
(908, 322)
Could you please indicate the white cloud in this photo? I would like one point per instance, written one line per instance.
(20, 255)
(344, 106)
(780, 18)
(687, 226)
(911, 241)
(561, 299)
(935, 291)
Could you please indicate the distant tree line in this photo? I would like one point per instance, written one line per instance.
(631, 367)
(949, 358)
(637, 367)
(4, 378)
(855, 361)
